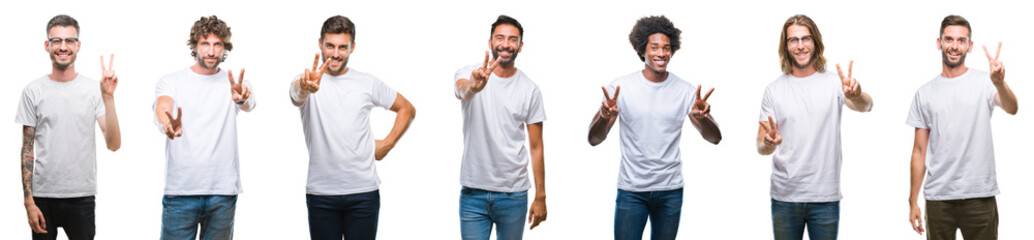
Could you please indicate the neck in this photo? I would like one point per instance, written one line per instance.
(952, 72)
(505, 71)
(197, 68)
(803, 72)
(654, 76)
(63, 75)
(338, 74)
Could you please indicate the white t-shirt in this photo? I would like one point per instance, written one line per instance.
(651, 117)
(336, 122)
(64, 114)
(806, 166)
(494, 155)
(960, 159)
(204, 160)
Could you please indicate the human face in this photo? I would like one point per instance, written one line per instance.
(801, 45)
(505, 44)
(336, 48)
(209, 51)
(658, 52)
(954, 45)
(63, 45)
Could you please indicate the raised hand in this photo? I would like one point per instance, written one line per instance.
(238, 90)
(851, 87)
(610, 106)
(701, 109)
(772, 137)
(108, 79)
(310, 80)
(174, 128)
(479, 77)
(997, 69)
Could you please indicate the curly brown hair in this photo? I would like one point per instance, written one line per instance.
(209, 25)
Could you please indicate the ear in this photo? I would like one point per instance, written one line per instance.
(939, 48)
(970, 47)
(46, 46)
(520, 46)
(351, 48)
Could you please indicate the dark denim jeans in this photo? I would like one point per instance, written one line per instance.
(479, 209)
(181, 216)
(75, 215)
(663, 208)
(352, 216)
(789, 220)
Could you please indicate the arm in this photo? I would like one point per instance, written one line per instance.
(768, 136)
(28, 157)
(173, 127)
(298, 96)
(708, 129)
(308, 82)
(1006, 99)
(918, 172)
(537, 212)
(599, 128)
(405, 114)
(855, 98)
(467, 87)
(109, 124)
(764, 149)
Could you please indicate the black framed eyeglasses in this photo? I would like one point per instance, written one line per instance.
(69, 41)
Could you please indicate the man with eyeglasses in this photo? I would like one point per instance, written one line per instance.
(202, 177)
(58, 111)
(804, 107)
(952, 116)
(498, 102)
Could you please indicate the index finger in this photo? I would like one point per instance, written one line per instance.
(179, 113)
(765, 126)
(999, 51)
(708, 94)
(316, 62)
(241, 77)
(105, 69)
(617, 90)
(111, 61)
(988, 54)
(698, 92)
(485, 65)
(841, 73)
(850, 65)
(606, 94)
(772, 122)
(167, 114)
(229, 73)
(495, 63)
(324, 68)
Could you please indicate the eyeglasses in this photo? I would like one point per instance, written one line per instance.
(794, 40)
(69, 41)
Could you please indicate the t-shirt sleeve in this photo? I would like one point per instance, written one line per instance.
(162, 88)
(691, 98)
(915, 114)
(767, 106)
(383, 96)
(536, 110)
(99, 110)
(462, 73)
(990, 93)
(27, 109)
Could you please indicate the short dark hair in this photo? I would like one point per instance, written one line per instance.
(503, 19)
(956, 20)
(209, 25)
(647, 26)
(63, 21)
(338, 24)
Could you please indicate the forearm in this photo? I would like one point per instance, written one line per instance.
(163, 105)
(28, 161)
(1007, 98)
(918, 173)
(538, 166)
(249, 104)
(298, 96)
(709, 129)
(403, 118)
(599, 129)
(765, 149)
(862, 103)
(112, 133)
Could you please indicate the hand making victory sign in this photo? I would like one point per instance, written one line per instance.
(108, 79)
(851, 87)
(310, 80)
(479, 77)
(701, 109)
(997, 69)
(174, 128)
(238, 90)
(772, 137)
(610, 106)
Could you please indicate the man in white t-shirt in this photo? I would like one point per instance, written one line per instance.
(652, 110)
(498, 102)
(803, 107)
(59, 111)
(342, 193)
(202, 177)
(952, 116)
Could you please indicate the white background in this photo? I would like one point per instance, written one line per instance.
(571, 48)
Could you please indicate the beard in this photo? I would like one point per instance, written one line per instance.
(201, 61)
(944, 57)
(798, 64)
(62, 66)
(509, 62)
(339, 69)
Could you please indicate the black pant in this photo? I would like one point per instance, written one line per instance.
(352, 216)
(75, 215)
(976, 217)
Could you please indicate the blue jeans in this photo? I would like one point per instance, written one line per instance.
(789, 220)
(181, 216)
(479, 209)
(352, 216)
(75, 215)
(663, 208)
